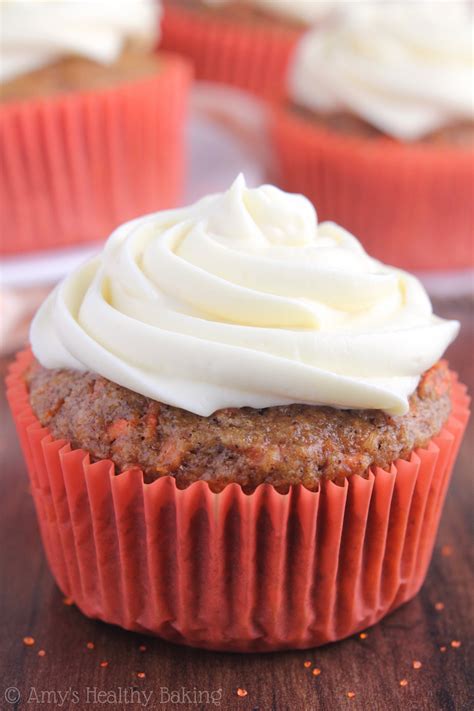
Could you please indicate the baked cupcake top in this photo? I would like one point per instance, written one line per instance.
(303, 11)
(242, 299)
(404, 68)
(37, 33)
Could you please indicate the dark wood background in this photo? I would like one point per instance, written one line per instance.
(371, 668)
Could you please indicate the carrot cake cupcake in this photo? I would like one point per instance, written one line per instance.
(381, 103)
(80, 89)
(253, 411)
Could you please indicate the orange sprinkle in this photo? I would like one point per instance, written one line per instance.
(439, 606)
(41, 653)
(417, 665)
(307, 663)
(68, 601)
(242, 692)
(363, 635)
(104, 664)
(28, 641)
(403, 682)
(141, 675)
(455, 643)
(446, 551)
(316, 671)
(351, 694)
(442, 649)
(142, 648)
(90, 645)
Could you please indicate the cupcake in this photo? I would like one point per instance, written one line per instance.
(238, 429)
(246, 43)
(91, 120)
(380, 103)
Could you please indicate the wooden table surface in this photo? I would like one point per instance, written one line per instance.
(68, 674)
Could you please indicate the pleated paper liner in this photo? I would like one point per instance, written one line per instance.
(74, 166)
(250, 56)
(231, 571)
(411, 206)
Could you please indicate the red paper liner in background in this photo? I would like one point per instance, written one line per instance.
(250, 56)
(410, 205)
(75, 166)
(231, 571)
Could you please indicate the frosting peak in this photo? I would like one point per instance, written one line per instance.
(242, 299)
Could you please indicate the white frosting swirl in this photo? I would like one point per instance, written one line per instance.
(304, 11)
(242, 299)
(405, 67)
(36, 33)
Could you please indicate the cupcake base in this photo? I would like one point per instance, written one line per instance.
(250, 55)
(231, 571)
(76, 165)
(411, 204)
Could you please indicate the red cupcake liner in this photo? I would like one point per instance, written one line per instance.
(250, 56)
(76, 165)
(231, 571)
(410, 205)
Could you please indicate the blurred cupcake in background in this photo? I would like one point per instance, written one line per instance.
(381, 106)
(91, 120)
(246, 43)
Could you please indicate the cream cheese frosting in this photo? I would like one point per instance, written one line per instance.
(405, 67)
(242, 299)
(36, 33)
(304, 11)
